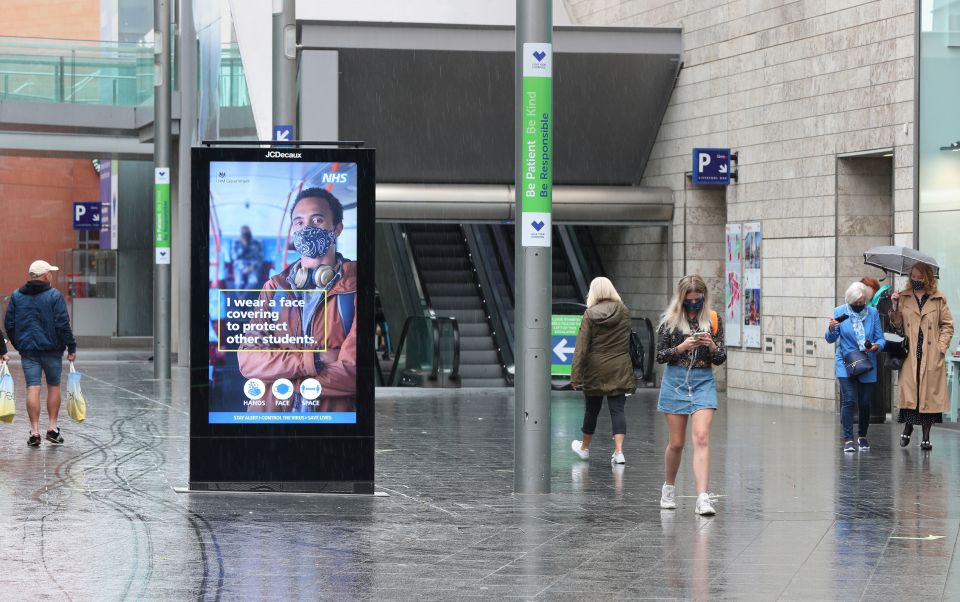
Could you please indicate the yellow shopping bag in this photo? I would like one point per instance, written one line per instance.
(8, 409)
(76, 406)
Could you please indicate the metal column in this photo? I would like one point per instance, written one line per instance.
(285, 65)
(161, 161)
(534, 266)
(187, 82)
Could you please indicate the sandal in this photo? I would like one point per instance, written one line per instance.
(926, 445)
(904, 440)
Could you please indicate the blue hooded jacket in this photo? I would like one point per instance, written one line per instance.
(37, 320)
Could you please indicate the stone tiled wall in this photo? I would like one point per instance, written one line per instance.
(790, 85)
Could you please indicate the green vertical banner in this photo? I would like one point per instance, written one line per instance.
(536, 192)
(161, 207)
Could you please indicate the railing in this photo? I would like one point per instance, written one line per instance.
(483, 256)
(428, 353)
(98, 73)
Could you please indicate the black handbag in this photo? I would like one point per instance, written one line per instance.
(857, 363)
(895, 351)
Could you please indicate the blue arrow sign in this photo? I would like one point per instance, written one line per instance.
(283, 133)
(86, 215)
(711, 166)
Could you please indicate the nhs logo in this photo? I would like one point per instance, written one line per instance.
(334, 178)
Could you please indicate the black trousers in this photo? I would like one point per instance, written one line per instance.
(591, 410)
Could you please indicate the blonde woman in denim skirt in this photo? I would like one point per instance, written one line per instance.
(690, 342)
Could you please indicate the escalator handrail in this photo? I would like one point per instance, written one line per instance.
(403, 339)
(435, 328)
(575, 261)
(494, 306)
(411, 257)
(586, 248)
(379, 370)
(455, 369)
(505, 260)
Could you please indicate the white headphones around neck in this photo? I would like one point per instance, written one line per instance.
(320, 276)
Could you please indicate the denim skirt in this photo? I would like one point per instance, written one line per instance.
(681, 393)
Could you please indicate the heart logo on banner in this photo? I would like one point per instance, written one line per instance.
(537, 225)
(539, 55)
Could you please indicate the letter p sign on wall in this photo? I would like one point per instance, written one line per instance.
(711, 166)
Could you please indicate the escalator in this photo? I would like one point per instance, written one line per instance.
(466, 272)
(449, 280)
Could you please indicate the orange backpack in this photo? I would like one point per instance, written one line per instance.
(714, 323)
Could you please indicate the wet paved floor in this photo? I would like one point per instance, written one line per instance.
(98, 518)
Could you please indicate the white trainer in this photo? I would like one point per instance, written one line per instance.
(668, 497)
(704, 507)
(618, 458)
(577, 447)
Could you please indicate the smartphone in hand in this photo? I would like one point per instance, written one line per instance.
(841, 318)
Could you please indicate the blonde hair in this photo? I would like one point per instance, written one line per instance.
(675, 318)
(601, 289)
(929, 280)
(856, 292)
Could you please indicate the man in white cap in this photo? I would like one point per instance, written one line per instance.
(38, 325)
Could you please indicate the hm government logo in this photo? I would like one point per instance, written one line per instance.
(279, 155)
(223, 178)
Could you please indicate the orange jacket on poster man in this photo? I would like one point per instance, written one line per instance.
(338, 375)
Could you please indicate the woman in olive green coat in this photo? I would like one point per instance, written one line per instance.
(602, 366)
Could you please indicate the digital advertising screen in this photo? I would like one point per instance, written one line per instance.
(283, 292)
(284, 272)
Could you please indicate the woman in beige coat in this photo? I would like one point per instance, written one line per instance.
(921, 313)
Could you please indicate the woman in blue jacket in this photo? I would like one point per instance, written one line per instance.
(859, 330)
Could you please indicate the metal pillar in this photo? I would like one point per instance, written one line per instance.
(534, 131)
(187, 82)
(285, 65)
(161, 161)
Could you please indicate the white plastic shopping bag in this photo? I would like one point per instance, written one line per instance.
(8, 409)
(76, 406)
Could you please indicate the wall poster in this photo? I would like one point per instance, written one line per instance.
(752, 297)
(733, 297)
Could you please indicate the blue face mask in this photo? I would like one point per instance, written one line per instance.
(693, 305)
(313, 242)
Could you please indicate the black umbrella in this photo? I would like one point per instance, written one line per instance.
(899, 259)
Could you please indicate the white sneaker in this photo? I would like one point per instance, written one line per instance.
(668, 500)
(704, 507)
(618, 458)
(577, 447)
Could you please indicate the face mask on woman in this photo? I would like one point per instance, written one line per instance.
(693, 305)
(859, 307)
(916, 284)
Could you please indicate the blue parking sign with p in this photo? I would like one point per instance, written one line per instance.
(86, 215)
(711, 166)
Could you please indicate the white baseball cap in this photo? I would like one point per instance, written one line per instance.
(41, 267)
